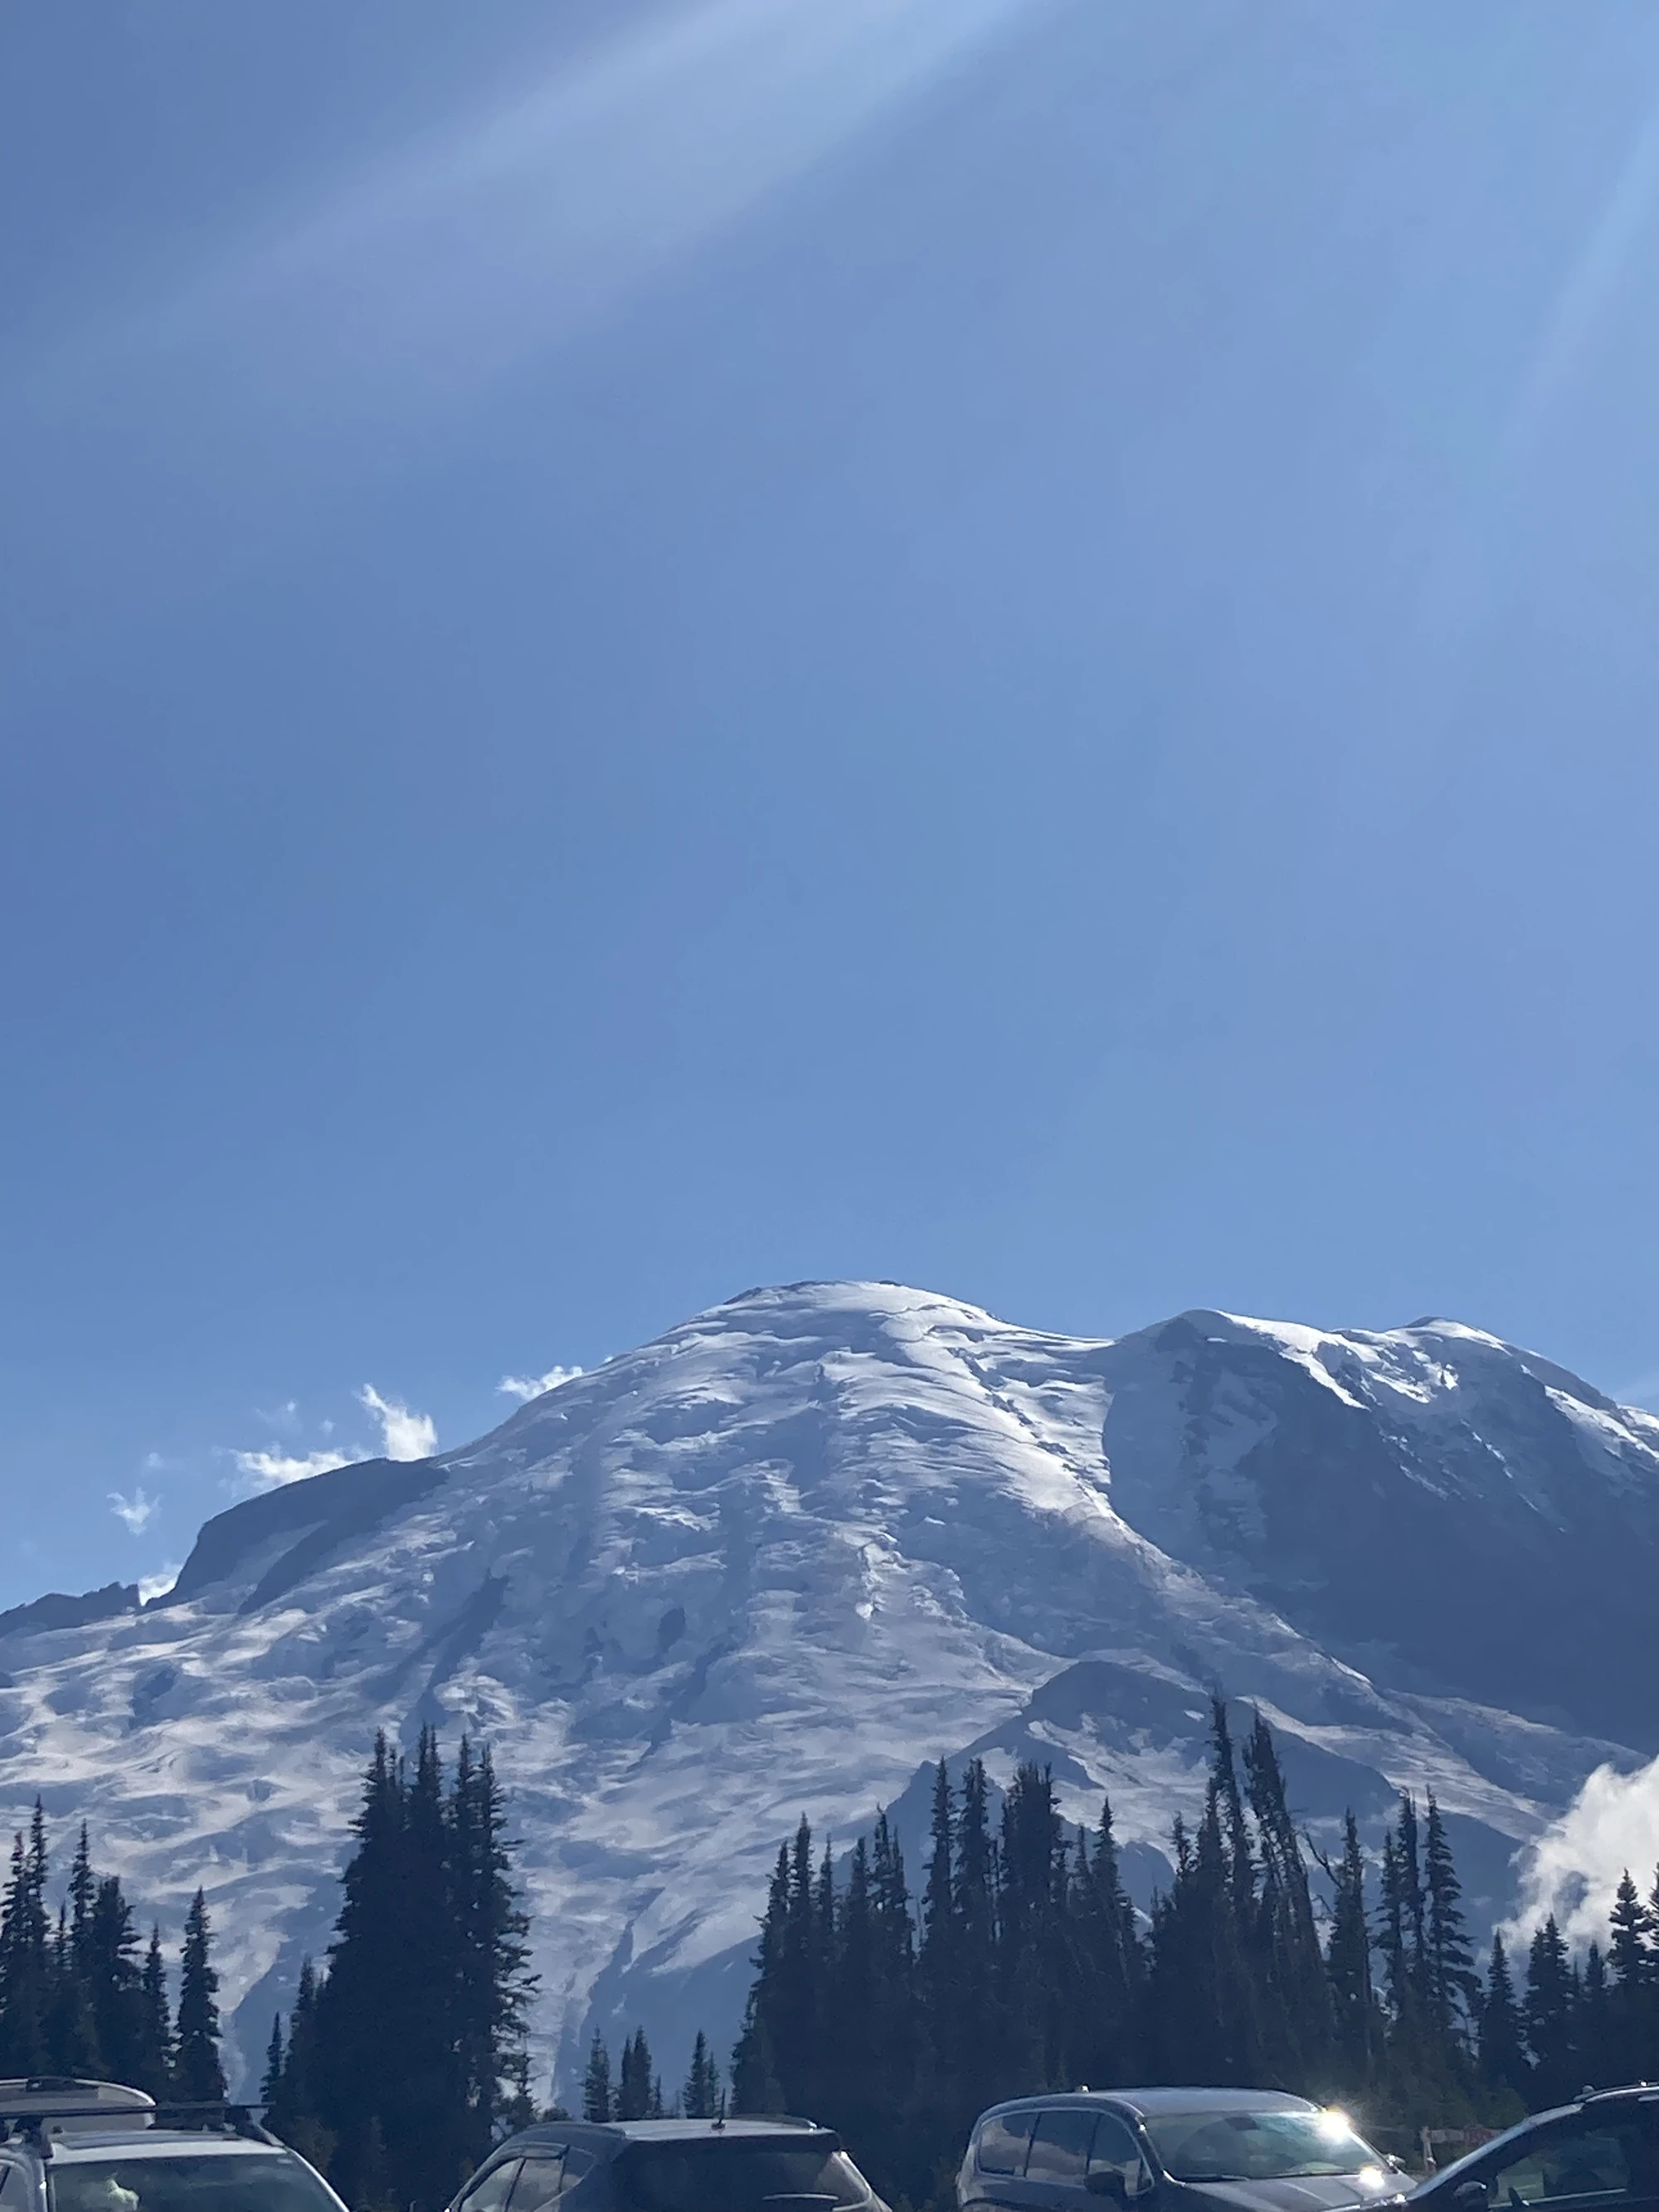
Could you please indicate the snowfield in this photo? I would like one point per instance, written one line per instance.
(779, 1559)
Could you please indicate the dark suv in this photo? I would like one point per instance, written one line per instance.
(768, 2165)
(1600, 2154)
(1171, 2150)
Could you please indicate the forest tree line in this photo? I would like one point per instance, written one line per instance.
(1023, 1965)
(77, 1998)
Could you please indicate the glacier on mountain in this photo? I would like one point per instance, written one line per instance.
(784, 1556)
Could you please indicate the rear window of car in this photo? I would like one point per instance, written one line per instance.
(214, 2182)
(736, 2176)
(1004, 2140)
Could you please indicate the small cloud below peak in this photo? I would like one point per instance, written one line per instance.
(271, 1470)
(158, 1584)
(404, 1434)
(524, 1388)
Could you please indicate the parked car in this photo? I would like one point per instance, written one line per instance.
(1602, 2152)
(750, 2165)
(69, 2145)
(1171, 2150)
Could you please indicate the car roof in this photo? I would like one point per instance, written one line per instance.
(1146, 2103)
(750, 2125)
(155, 2143)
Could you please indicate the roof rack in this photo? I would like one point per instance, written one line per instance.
(35, 2110)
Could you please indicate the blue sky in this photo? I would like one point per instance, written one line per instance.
(648, 647)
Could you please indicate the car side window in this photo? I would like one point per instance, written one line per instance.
(1114, 2146)
(490, 2194)
(13, 2188)
(1059, 2144)
(1004, 2141)
(540, 2179)
(1577, 2158)
(577, 2165)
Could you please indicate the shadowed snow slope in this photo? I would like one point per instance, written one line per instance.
(776, 1559)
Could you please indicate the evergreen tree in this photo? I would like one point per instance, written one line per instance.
(360, 2002)
(1502, 2055)
(70, 2044)
(1634, 1966)
(419, 2098)
(112, 1979)
(700, 2098)
(82, 1891)
(1107, 1965)
(974, 1940)
(270, 2082)
(197, 2074)
(892, 2029)
(635, 2081)
(1205, 2002)
(153, 2070)
(495, 1983)
(1348, 1963)
(794, 2021)
(754, 2084)
(596, 2085)
(1289, 1968)
(1030, 1984)
(1451, 1988)
(1599, 2052)
(25, 1954)
(1548, 2015)
(937, 1971)
(292, 2108)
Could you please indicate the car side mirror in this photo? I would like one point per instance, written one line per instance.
(1106, 2181)
(1470, 2197)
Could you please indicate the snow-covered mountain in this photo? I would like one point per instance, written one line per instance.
(779, 1558)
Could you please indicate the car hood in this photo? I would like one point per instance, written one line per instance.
(1323, 2192)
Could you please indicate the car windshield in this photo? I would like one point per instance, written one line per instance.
(1256, 2146)
(736, 2176)
(214, 2182)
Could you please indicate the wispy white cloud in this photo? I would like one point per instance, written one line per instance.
(525, 1387)
(136, 1511)
(158, 1584)
(404, 1434)
(269, 1470)
(285, 1417)
(1573, 1868)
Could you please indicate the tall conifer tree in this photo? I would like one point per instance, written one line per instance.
(197, 2075)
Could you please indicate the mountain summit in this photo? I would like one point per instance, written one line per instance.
(782, 1556)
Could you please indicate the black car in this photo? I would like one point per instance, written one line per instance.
(780, 2164)
(1171, 2150)
(1599, 2153)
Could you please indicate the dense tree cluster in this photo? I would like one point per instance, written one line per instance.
(1569, 2022)
(76, 1996)
(405, 2058)
(1023, 1965)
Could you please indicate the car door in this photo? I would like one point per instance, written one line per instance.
(1000, 2148)
(1059, 2157)
(490, 2191)
(541, 2179)
(1601, 2159)
(1115, 2150)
